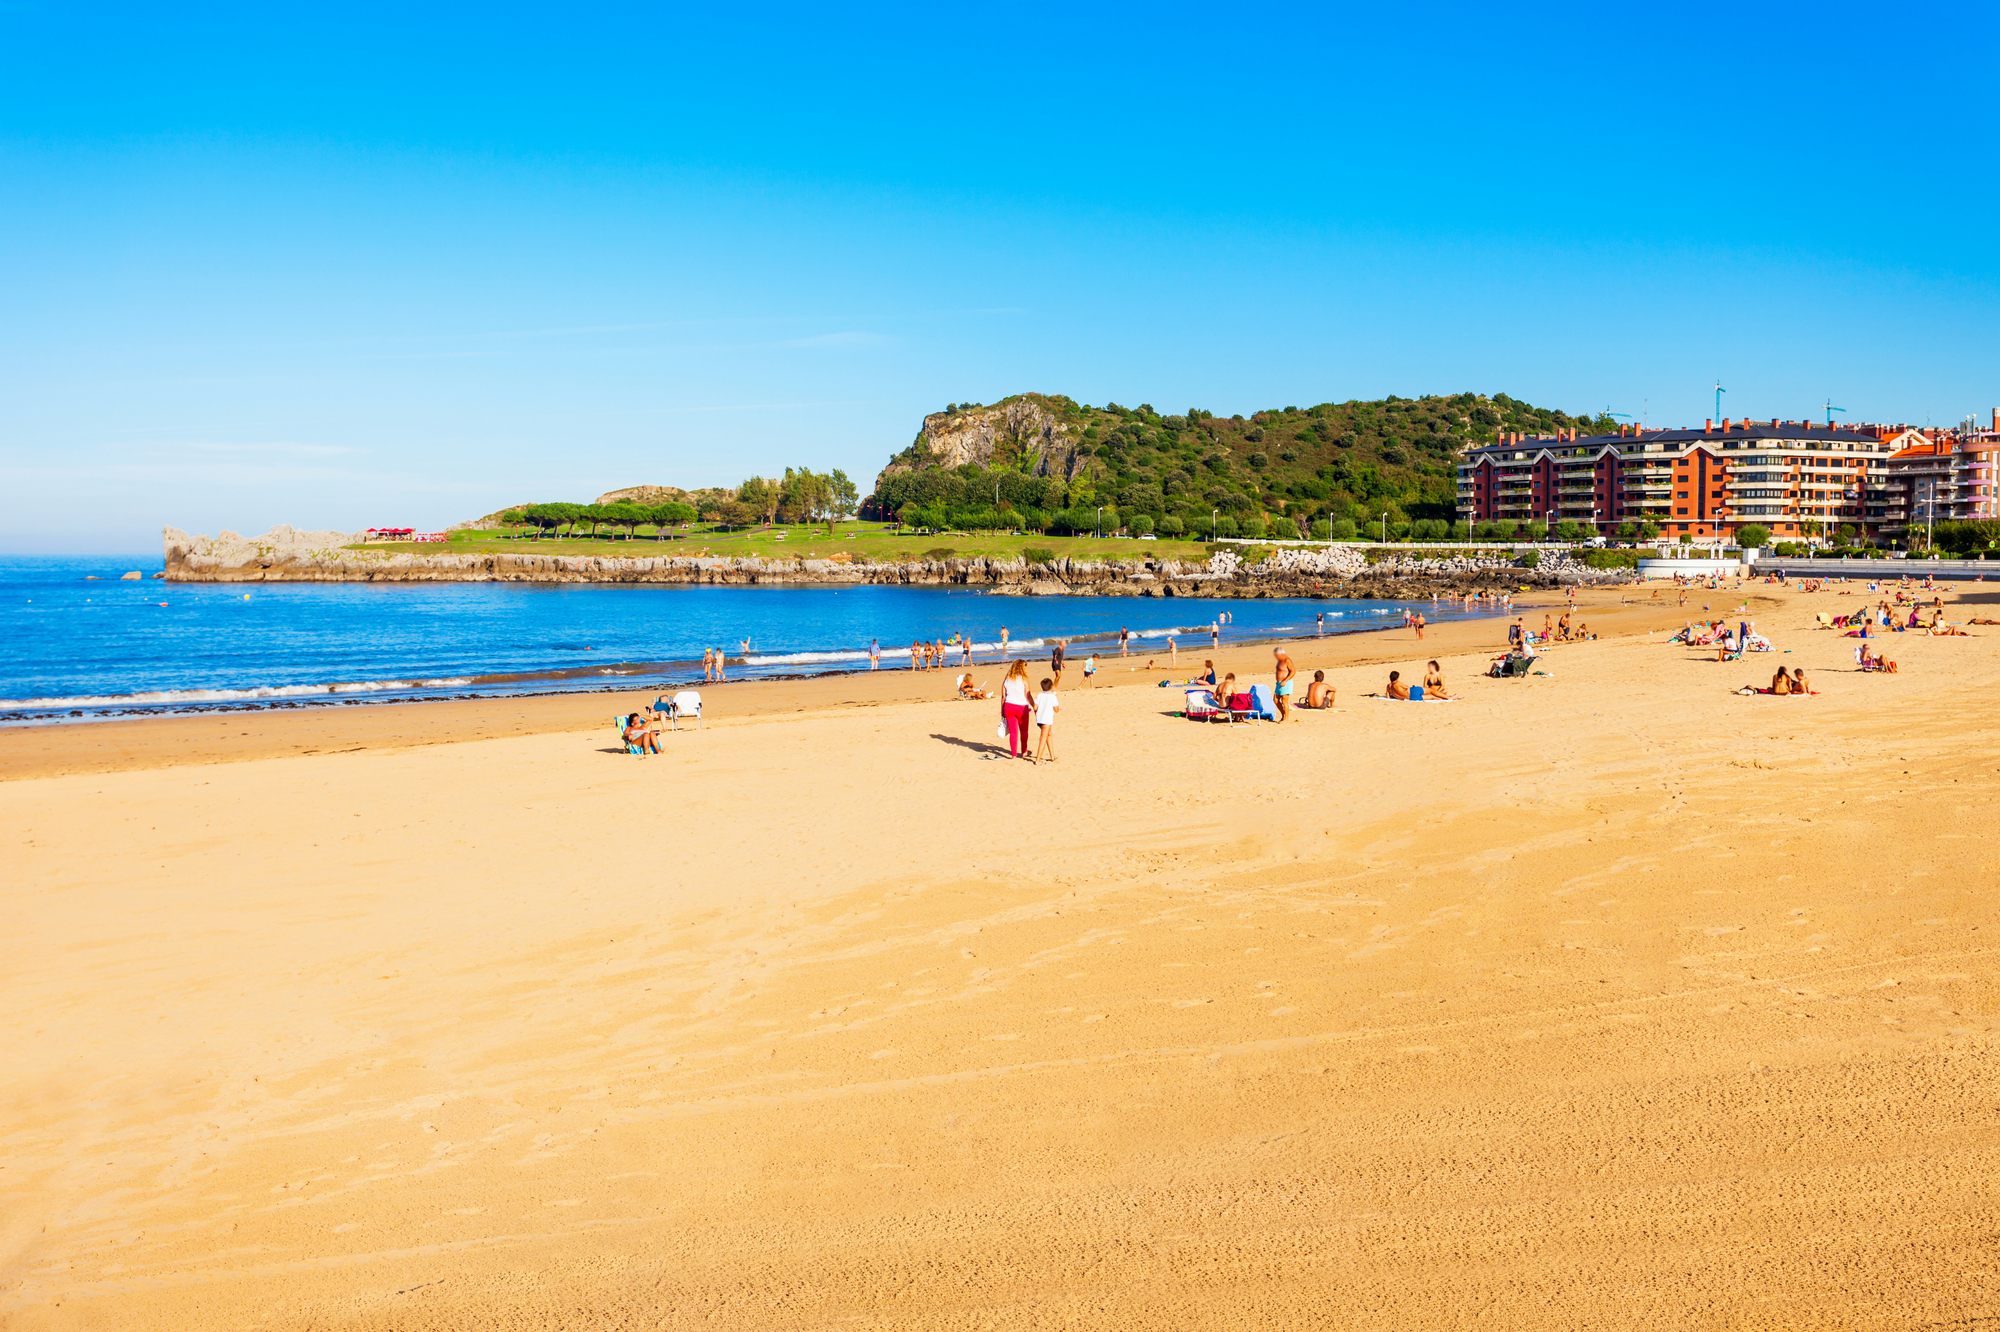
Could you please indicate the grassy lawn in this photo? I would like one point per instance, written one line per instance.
(870, 541)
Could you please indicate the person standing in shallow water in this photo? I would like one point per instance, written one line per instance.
(1056, 662)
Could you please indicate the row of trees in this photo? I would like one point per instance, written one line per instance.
(800, 496)
(560, 517)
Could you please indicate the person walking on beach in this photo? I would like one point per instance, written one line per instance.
(1003, 640)
(1417, 621)
(1173, 652)
(1285, 672)
(916, 649)
(1322, 625)
(1124, 640)
(1089, 668)
(1215, 633)
(707, 665)
(874, 654)
(1014, 708)
(1047, 705)
(718, 663)
(1056, 663)
(965, 652)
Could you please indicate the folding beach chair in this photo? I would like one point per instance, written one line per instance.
(686, 703)
(1263, 707)
(618, 725)
(1201, 706)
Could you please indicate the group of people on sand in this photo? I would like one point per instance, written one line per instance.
(1319, 695)
(1784, 682)
(711, 664)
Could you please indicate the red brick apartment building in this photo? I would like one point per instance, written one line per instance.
(1794, 478)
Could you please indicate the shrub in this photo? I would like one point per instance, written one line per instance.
(1488, 530)
(1225, 526)
(1038, 554)
(1647, 531)
(1251, 526)
(1612, 559)
(1322, 530)
(1398, 531)
(1536, 530)
(939, 553)
(1530, 559)
(1342, 529)
(1172, 526)
(1568, 530)
(1753, 534)
(1506, 529)
(1139, 524)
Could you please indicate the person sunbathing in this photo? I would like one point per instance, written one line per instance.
(1319, 694)
(638, 732)
(1799, 685)
(966, 689)
(1434, 682)
(1781, 683)
(1397, 689)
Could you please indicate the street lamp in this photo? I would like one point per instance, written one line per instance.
(1385, 527)
(1100, 521)
(1211, 523)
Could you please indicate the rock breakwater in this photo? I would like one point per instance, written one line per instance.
(286, 555)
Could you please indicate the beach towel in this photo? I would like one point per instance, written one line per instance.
(1262, 705)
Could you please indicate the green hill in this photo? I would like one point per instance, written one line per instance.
(1046, 462)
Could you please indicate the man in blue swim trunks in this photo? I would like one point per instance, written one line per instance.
(1284, 689)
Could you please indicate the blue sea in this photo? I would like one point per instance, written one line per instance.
(72, 648)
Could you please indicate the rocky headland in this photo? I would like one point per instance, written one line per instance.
(287, 555)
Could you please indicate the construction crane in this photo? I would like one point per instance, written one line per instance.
(1830, 410)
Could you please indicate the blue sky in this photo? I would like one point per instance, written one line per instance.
(380, 265)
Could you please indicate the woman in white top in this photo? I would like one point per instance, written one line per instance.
(1014, 708)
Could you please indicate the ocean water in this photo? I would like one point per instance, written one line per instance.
(74, 648)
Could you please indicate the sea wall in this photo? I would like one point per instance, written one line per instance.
(286, 555)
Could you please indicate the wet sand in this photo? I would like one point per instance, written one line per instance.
(1601, 998)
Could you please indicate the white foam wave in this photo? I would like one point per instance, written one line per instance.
(230, 695)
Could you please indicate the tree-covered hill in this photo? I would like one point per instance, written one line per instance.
(1047, 462)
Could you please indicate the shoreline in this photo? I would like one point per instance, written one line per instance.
(609, 678)
(1606, 983)
(235, 734)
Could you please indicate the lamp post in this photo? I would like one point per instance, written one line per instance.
(1211, 523)
(1100, 521)
(1385, 527)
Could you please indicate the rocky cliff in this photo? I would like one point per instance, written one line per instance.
(286, 555)
(1024, 434)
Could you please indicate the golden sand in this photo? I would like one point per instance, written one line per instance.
(1599, 999)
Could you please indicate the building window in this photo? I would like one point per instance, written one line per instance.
(1683, 513)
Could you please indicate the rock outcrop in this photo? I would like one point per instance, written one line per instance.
(1021, 433)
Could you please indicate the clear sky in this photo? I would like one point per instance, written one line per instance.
(363, 265)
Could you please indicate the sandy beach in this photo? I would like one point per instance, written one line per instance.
(1603, 998)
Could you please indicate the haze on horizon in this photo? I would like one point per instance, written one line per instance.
(342, 268)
